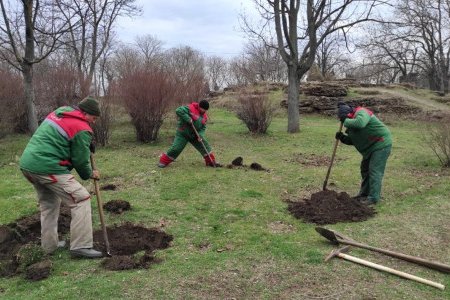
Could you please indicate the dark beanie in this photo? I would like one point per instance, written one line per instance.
(204, 104)
(90, 106)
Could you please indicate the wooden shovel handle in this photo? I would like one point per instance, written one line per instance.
(204, 147)
(420, 261)
(332, 159)
(389, 270)
(100, 208)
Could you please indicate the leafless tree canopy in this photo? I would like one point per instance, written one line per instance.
(300, 28)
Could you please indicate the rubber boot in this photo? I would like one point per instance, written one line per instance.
(164, 160)
(210, 160)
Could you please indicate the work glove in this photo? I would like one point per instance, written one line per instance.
(339, 136)
(92, 148)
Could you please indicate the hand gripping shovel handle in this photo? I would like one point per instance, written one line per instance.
(332, 159)
(100, 208)
(204, 147)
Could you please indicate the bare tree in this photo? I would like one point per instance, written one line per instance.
(151, 49)
(29, 32)
(266, 61)
(300, 28)
(330, 56)
(187, 65)
(216, 70)
(92, 23)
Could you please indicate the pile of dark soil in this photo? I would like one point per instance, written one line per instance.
(238, 163)
(330, 207)
(108, 187)
(117, 206)
(131, 246)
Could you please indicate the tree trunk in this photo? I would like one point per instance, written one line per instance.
(293, 93)
(29, 97)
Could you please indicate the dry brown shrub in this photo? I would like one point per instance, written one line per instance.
(102, 126)
(438, 139)
(256, 111)
(148, 94)
(13, 116)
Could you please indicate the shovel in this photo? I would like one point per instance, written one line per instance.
(100, 208)
(204, 147)
(341, 254)
(324, 188)
(337, 238)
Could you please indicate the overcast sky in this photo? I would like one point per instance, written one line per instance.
(210, 26)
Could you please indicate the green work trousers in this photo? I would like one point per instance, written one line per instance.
(372, 172)
(180, 141)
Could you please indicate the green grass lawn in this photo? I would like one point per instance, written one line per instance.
(233, 235)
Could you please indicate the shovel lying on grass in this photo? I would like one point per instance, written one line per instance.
(100, 208)
(337, 238)
(324, 188)
(340, 253)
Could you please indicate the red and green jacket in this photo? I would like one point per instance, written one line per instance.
(60, 144)
(366, 132)
(185, 114)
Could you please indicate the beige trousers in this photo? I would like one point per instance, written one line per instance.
(51, 191)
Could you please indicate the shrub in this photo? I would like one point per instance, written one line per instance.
(102, 125)
(147, 94)
(255, 111)
(438, 139)
(13, 115)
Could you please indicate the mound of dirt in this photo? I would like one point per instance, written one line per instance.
(108, 187)
(117, 206)
(238, 163)
(127, 240)
(330, 207)
(39, 271)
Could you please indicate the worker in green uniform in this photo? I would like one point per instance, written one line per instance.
(190, 115)
(62, 143)
(373, 140)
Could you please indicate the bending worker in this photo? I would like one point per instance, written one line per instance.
(60, 144)
(195, 115)
(373, 140)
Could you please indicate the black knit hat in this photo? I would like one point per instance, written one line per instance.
(90, 106)
(343, 110)
(204, 104)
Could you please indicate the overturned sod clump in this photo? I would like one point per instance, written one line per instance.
(238, 163)
(117, 206)
(330, 207)
(131, 246)
(20, 252)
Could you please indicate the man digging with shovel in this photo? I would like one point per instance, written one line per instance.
(373, 140)
(60, 144)
(191, 128)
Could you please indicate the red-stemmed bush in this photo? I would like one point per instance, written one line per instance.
(148, 94)
(255, 111)
(13, 116)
